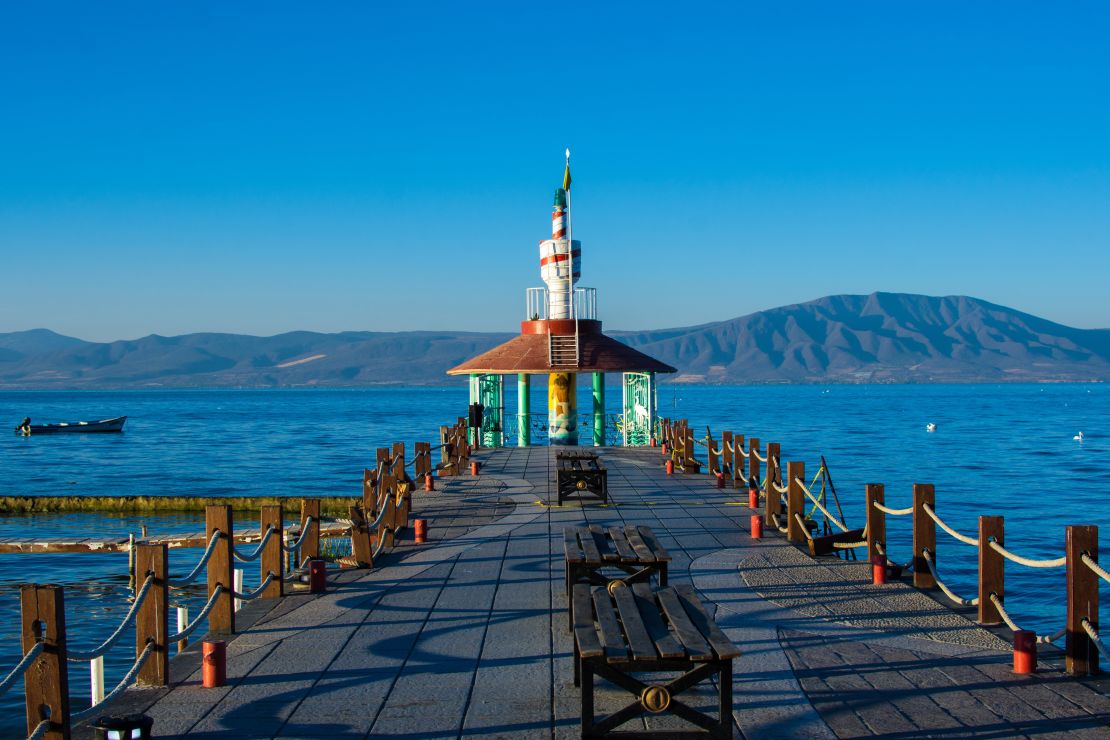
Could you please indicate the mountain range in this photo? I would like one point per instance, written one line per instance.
(882, 337)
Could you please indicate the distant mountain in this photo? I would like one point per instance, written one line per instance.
(883, 337)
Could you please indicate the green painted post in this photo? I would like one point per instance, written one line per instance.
(599, 409)
(523, 410)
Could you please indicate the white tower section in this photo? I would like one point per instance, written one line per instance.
(555, 261)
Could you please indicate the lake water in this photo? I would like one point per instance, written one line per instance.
(1004, 450)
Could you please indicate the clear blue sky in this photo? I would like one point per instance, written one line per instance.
(266, 167)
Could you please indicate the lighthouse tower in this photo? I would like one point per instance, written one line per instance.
(561, 338)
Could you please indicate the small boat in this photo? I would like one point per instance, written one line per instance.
(104, 425)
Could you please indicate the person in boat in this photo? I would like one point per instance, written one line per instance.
(25, 427)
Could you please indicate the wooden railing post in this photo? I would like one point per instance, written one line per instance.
(310, 510)
(1082, 587)
(691, 452)
(712, 453)
(221, 620)
(924, 534)
(738, 478)
(992, 569)
(361, 547)
(369, 491)
(386, 528)
(445, 453)
(272, 515)
(795, 499)
(726, 454)
(753, 462)
(153, 618)
(773, 504)
(876, 520)
(46, 681)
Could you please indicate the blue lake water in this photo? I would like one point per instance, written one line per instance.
(1003, 450)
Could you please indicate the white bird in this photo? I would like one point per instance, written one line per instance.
(930, 427)
(1078, 437)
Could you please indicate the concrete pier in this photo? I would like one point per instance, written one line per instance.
(467, 634)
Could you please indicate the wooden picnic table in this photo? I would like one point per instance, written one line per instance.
(633, 550)
(629, 630)
(578, 474)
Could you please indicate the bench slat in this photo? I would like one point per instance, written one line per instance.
(620, 542)
(643, 552)
(571, 547)
(616, 650)
(708, 628)
(665, 644)
(643, 647)
(588, 645)
(661, 554)
(602, 543)
(593, 557)
(582, 614)
(691, 638)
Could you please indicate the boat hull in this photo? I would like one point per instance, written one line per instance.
(84, 427)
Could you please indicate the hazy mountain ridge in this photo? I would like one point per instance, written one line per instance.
(882, 337)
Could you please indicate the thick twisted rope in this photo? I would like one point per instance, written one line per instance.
(758, 456)
(380, 544)
(179, 582)
(947, 591)
(21, 667)
(802, 523)
(1013, 625)
(892, 512)
(1098, 569)
(779, 489)
(40, 730)
(1091, 633)
(828, 515)
(257, 592)
(1028, 562)
(104, 647)
(189, 629)
(940, 523)
(853, 545)
(258, 550)
(120, 687)
(300, 540)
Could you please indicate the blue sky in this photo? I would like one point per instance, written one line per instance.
(267, 167)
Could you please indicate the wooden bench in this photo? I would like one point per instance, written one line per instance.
(626, 630)
(634, 550)
(579, 474)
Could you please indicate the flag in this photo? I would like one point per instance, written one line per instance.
(566, 178)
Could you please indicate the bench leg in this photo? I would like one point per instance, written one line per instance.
(587, 680)
(663, 576)
(724, 730)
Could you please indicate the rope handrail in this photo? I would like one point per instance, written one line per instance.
(300, 540)
(123, 684)
(40, 730)
(1043, 639)
(836, 522)
(21, 667)
(270, 529)
(298, 571)
(758, 456)
(849, 545)
(802, 524)
(257, 592)
(179, 582)
(104, 647)
(1093, 565)
(947, 591)
(974, 542)
(778, 488)
(1093, 634)
(730, 448)
(189, 629)
(380, 544)
(1028, 562)
(893, 512)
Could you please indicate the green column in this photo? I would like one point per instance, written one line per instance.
(523, 409)
(599, 409)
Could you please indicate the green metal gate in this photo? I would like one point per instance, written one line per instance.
(638, 394)
(488, 390)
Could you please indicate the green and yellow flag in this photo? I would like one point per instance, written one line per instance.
(566, 178)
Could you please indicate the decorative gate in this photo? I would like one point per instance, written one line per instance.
(638, 393)
(488, 390)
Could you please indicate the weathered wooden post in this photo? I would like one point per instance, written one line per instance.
(711, 453)
(753, 463)
(152, 620)
(310, 518)
(726, 454)
(445, 452)
(924, 534)
(386, 528)
(875, 493)
(362, 548)
(46, 681)
(221, 620)
(272, 515)
(1082, 588)
(795, 499)
(738, 467)
(773, 504)
(992, 569)
(369, 491)
(689, 466)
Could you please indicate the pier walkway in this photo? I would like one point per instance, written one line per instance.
(467, 634)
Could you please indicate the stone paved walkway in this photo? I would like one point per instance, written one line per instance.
(467, 635)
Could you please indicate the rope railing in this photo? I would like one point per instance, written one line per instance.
(974, 542)
(21, 667)
(300, 540)
(191, 627)
(802, 523)
(179, 582)
(119, 689)
(828, 515)
(759, 457)
(940, 584)
(258, 550)
(380, 545)
(1095, 567)
(893, 512)
(1028, 562)
(1043, 639)
(853, 545)
(104, 647)
(1095, 639)
(40, 730)
(257, 592)
(779, 489)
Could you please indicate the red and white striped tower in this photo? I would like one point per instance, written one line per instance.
(557, 255)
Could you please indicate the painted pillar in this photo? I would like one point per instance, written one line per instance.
(562, 411)
(523, 410)
(599, 409)
(474, 435)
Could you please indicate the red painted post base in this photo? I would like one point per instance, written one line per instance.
(213, 663)
(1025, 652)
(664, 447)
(653, 441)
(420, 530)
(429, 482)
(669, 467)
(753, 498)
(757, 526)
(317, 576)
(878, 570)
(474, 466)
(720, 480)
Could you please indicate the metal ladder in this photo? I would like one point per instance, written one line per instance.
(562, 350)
